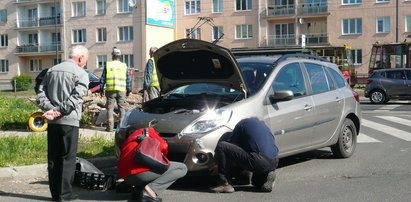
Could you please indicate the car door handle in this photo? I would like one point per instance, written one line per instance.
(337, 99)
(308, 107)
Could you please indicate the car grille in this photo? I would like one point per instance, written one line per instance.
(177, 152)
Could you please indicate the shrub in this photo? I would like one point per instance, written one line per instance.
(22, 82)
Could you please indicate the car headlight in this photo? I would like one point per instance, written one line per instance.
(124, 121)
(211, 120)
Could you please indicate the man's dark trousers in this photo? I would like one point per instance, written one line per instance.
(62, 149)
(228, 153)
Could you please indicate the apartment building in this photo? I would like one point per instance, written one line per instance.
(36, 34)
(283, 24)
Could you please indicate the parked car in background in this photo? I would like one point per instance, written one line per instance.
(386, 84)
(93, 86)
(205, 92)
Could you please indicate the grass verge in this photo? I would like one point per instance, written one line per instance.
(18, 151)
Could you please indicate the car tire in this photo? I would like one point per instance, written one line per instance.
(378, 97)
(37, 123)
(347, 140)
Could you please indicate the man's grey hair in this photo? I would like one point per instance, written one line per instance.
(78, 51)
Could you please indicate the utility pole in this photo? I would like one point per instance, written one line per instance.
(396, 21)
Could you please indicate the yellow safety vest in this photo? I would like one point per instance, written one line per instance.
(116, 75)
(154, 78)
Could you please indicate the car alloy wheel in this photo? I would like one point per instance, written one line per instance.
(377, 97)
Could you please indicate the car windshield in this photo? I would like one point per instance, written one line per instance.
(92, 77)
(255, 74)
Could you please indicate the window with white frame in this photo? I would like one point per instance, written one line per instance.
(349, 2)
(4, 40)
(125, 33)
(3, 16)
(101, 7)
(217, 6)
(383, 1)
(192, 7)
(79, 36)
(193, 34)
(123, 6)
(408, 23)
(101, 34)
(243, 5)
(101, 61)
(352, 26)
(128, 59)
(243, 31)
(4, 66)
(33, 39)
(78, 9)
(383, 24)
(217, 32)
(35, 65)
(357, 56)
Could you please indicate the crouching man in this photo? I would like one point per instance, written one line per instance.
(251, 147)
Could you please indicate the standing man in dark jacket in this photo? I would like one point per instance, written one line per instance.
(151, 86)
(118, 85)
(252, 147)
(61, 97)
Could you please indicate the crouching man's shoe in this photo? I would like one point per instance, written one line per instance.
(224, 187)
(269, 183)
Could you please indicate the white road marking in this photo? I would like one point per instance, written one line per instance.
(362, 138)
(399, 120)
(387, 129)
(388, 107)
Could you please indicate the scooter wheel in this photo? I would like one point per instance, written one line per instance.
(37, 123)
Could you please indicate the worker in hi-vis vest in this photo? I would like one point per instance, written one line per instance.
(118, 85)
(151, 86)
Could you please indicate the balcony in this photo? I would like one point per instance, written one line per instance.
(43, 21)
(279, 40)
(316, 39)
(36, 48)
(312, 8)
(280, 10)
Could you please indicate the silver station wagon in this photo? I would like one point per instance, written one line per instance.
(303, 99)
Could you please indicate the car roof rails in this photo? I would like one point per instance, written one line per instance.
(285, 57)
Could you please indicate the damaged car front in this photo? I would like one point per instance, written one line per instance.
(201, 84)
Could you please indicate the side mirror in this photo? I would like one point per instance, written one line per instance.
(281, 95)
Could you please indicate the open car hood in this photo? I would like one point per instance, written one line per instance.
(189, 61)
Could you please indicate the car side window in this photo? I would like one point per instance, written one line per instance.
(290, 77)
(399, 74)
(337, 78)
(408, 74)
(317, 77)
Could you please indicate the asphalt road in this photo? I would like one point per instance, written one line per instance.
(380, 170)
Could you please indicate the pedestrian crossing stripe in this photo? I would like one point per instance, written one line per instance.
(388, 129)
(389, 107)
(396, 120)
(362, 138)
